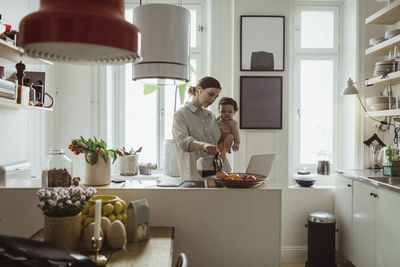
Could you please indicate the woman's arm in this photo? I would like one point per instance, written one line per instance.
(185, 141)
(208, 148)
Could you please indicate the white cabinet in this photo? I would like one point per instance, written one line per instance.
(387, 232)
(363, 224)
(344, 216)
(376, 222)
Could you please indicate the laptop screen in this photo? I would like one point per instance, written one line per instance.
(260, 164)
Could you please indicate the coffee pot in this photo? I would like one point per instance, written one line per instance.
(210, 165)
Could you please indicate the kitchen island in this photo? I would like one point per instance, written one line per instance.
(213, 226)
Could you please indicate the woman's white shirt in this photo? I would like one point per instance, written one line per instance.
(194, 124)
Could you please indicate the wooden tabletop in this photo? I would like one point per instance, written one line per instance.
(157, 251)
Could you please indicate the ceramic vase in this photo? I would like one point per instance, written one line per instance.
(129, 165)
(99, 173)
(63, 231)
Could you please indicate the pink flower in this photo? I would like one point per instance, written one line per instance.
(77, 203)
(69, 202)
(40, 204)
(52, 202)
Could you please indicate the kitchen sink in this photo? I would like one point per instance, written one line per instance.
(194, 184)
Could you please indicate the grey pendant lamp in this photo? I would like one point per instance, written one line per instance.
(165, 33)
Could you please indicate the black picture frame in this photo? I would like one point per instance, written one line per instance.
(261, 102)
(262, 43)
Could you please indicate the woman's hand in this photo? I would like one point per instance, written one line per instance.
(210, 149)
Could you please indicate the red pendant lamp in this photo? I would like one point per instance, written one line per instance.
(80, 31)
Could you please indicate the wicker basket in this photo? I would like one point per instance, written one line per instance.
(63, 231)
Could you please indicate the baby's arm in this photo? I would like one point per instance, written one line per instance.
(236, 136)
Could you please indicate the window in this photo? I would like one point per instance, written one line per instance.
(316, 84)
(147, 119)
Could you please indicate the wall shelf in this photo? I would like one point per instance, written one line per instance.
(384, 47)
(391, 78)
(387, 15)
(6, 105)
(16, 54)
(384, 113)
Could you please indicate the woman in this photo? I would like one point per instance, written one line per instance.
(195, 128)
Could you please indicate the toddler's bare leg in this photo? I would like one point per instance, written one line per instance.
(228, 142)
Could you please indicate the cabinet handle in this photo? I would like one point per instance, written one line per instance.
(348, 185)
(373, 195)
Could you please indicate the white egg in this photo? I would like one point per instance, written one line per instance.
(87, 237)
(116, 235)
(105, 225)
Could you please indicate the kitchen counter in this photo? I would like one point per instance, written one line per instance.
(213, 226)
(373, 178)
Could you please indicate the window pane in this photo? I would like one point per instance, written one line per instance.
(317, 29)
(316, 94)
(140, 118)
(170, 102)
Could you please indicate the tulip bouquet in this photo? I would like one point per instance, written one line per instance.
(93, 149)
(64, 202)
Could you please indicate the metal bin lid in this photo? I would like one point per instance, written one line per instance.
(321, 217)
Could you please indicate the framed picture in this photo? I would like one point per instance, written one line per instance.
(262, 43)
(260, 102)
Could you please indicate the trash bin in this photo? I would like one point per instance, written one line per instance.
(321, 239)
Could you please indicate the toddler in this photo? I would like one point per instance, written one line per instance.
(227, 108)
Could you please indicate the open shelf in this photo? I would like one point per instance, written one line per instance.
(16, 54)
(384, 113)
(388, 15)
(5, 105)
(384, 47)
(391, 78)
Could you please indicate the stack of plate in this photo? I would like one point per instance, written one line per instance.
(382, 67)
(380, 103)
(391, 33)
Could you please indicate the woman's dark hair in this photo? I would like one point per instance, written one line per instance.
(228, 101)
(205, 82)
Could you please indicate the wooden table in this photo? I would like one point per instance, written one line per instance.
(157, 251)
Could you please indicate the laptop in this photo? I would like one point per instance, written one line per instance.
(260, 164)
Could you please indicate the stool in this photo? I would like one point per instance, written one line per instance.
(321, 239)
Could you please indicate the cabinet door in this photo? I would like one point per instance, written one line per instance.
(363, 225)
(387, 240)
(344, 215)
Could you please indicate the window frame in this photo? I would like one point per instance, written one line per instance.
(117, 86)
(316, 54)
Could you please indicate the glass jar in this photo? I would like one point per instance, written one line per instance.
(58, 169)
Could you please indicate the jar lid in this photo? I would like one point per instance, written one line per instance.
(53, 151)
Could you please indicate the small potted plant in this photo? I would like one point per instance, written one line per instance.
(61, 209)
(97, 157)
(394, 158)
(129, 161)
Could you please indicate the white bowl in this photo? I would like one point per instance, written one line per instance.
(392, 33)
(376, 40)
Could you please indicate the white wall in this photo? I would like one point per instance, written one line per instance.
(225, 42)
(22, 132)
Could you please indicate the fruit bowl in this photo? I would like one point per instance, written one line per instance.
(259, 179)
(112, 207)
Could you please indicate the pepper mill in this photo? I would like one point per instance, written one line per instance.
(20, 75)
(20, 72)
